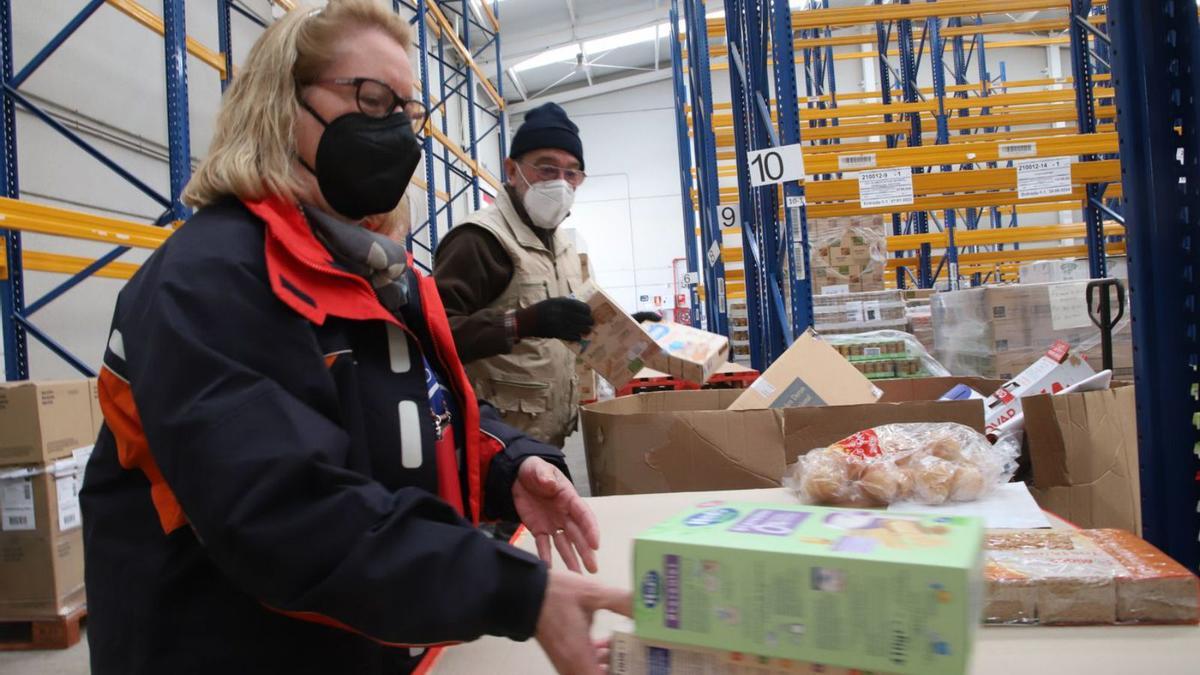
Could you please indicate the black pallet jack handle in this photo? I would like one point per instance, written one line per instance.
(1101, 315)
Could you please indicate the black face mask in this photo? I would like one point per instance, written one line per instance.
(364, 164)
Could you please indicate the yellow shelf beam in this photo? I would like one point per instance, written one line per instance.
(461, 154)
(448, 31)
(25, 216)
(55, 263)
(993, 236)
(1010, 256)
(152, 21)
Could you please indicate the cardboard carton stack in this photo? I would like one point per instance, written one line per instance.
(46, 433)
(997, 331)
(848, 254)
(1049, 271)
(859, 312)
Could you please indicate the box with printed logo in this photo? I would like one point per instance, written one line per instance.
(44, 421)
(856, 589)
(687, 353)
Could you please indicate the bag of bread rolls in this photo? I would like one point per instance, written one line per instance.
(929, 463)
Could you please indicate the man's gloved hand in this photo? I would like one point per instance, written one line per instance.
(646, 316)
(562, 318)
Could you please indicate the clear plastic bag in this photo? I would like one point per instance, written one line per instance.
(886, 354)
(927, 463)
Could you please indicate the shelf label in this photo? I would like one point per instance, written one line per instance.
(730, 215)
(689, 278)
(1014, 150)
(776, 165)
(885, 187)
(721, 294)
(856, 162)
(794, 201)
(1043, 177)
(714, 252)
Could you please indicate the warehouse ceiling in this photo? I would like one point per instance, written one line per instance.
(550, 47)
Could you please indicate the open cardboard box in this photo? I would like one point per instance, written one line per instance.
(687, 440)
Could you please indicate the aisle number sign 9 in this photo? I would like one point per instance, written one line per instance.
(776, 165)
(730, 215)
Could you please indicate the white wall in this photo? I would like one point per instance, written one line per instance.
(629, 211)
(107, 83)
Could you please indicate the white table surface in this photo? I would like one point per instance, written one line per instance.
(999, 650)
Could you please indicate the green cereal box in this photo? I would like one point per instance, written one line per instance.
(869, 590)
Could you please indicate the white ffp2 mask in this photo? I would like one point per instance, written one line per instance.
(548, 202)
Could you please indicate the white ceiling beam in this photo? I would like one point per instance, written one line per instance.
(516, 80)
(571, 12)
(597, 89)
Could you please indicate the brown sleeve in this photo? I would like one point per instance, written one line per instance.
(472, 269)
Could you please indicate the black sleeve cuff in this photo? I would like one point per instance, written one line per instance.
(517, 599)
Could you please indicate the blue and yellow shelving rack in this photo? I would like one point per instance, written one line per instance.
(465, 28)
(1129, 117)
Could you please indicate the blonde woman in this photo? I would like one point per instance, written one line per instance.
(293, 460)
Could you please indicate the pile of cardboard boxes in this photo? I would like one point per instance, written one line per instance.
(996, 331)
(46, 433)
(848, 254)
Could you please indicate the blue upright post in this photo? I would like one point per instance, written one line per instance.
(473, 148)
(707, 184)
(225, 38)
(937, 61)
(431, 191)
(178, 138)
(501, 115)
(447, 158)
(1085, 109)
(788, 118)
(1156, 73)
(882, 40)
(685, 161)
(12, 287)
(908, 75)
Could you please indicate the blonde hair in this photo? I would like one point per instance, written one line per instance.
(253, 143)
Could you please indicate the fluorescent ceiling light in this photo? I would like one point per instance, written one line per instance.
(566, 53)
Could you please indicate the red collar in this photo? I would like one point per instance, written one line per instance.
(302, 272)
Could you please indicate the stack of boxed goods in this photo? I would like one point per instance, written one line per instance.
(920, 315)
(886, 354)
(1049, 271)
(859, 312)
(46, 433)
(996, 331)
(739, 330)
(848, 254)
(786, 584)
(1085, 577)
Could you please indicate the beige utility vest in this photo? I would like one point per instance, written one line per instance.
(534, 387)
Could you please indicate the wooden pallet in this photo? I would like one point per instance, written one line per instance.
(56, 633)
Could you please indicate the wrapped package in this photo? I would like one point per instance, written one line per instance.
(887, 354)
(859, 312)
(1085, 577)
(846, 254)
(929, 463)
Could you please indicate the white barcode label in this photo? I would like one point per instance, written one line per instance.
(870, 311)
(721, 293)
(16, 505)
(885, 187)
(856, 162)
(68, 501)
(872, 351)
(836, 289)
(1044, 177)
(1011, 150)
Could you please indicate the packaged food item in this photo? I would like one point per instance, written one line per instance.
(930, 463)
(886, 354)
(847, 588)
(1084, 577)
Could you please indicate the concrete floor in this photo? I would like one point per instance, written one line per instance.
(74, 661)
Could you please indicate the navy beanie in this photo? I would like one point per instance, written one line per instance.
(547, 126)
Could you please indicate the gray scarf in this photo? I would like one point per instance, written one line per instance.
(368, 254)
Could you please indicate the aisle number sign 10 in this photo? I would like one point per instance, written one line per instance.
(776, 165)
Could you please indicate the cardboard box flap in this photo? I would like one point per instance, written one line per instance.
(705, 449)
(809, 373)
(1083, 450)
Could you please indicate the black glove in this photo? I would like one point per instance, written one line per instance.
(561, 318)
(647, 316)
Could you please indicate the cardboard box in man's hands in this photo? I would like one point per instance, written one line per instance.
(809, 373)
(617, 348)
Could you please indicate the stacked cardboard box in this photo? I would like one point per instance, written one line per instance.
(46, 430)
(859, 312)
(1048, 271)
(997, 331)
(848, 254)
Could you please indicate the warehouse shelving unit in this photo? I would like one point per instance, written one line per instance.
(1155, 49)
(956, 137)
(463, 173)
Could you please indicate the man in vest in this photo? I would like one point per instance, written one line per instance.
(507, 277)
